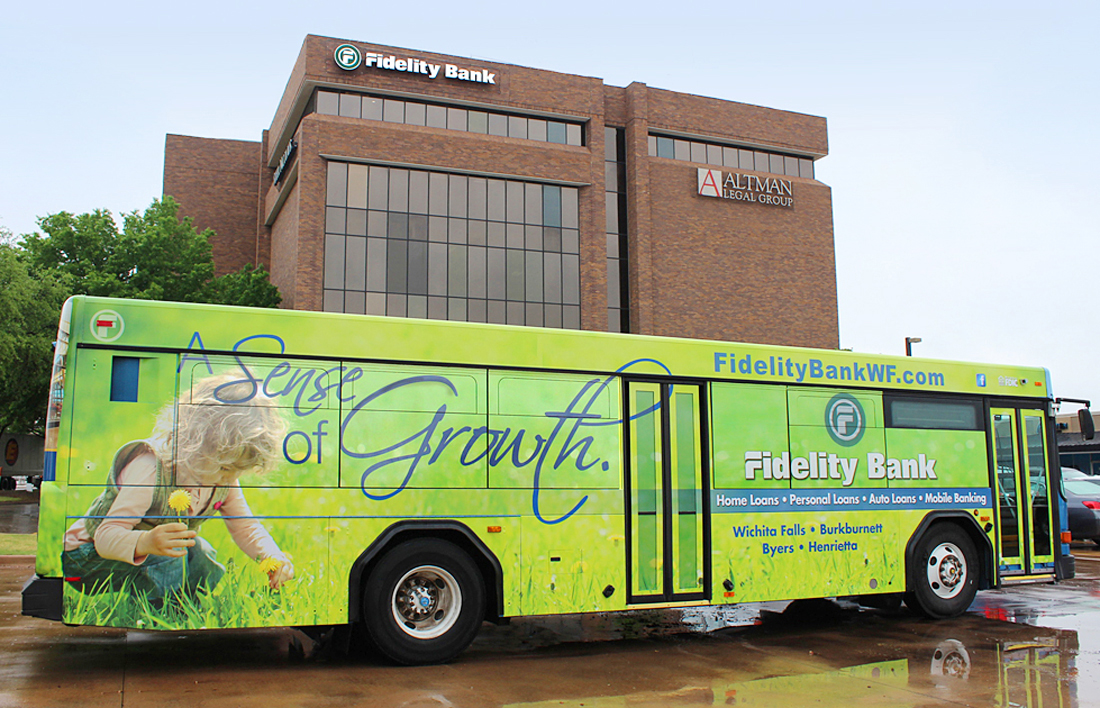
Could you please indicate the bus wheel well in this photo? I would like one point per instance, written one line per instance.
(963, 523)
(452, 531)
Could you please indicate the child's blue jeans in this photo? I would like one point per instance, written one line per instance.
(158, 577)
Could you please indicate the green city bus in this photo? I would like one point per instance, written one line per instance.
(416, 478)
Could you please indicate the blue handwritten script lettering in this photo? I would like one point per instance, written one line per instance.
(567, 443)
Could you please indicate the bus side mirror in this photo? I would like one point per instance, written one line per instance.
(1088, 428)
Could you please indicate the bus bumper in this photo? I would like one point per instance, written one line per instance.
(42, 597)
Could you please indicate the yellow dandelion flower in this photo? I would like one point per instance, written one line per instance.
(332, 529)
(270, 565)
(179, 501)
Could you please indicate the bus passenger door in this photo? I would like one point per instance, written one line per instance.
(666, 518)
(1026, 535)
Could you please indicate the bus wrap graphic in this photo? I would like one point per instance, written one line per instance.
(107, 325)
(845, 420)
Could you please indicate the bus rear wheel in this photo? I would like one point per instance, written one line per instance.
(944, 577)
(424, 602)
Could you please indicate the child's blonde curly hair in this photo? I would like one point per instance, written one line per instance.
(224, 428)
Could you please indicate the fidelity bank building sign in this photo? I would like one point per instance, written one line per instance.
(349, 58)
(745, 188)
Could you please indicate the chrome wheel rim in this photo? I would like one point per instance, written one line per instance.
(426, 602)
(947, 570)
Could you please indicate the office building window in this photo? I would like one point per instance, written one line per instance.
(414, 243)
(618, 310)
(730, 156)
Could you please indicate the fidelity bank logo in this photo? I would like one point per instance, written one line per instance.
(745, 188)
(107, 325)
(349, 58)
(845, 420)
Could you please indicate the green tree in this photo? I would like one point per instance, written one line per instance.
(29, 310)
(156, 256)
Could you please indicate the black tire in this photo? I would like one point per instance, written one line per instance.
(944, 575)
(424, 602)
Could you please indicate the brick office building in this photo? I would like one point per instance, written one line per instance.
(408, 183)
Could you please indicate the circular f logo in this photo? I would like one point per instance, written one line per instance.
(107, 325)
(844, 419)
(347, 57)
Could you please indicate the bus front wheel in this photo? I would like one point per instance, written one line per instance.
(424, 602)
(944, 577)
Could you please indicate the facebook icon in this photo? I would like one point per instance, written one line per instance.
(981, 380)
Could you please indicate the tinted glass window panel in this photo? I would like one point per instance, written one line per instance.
(437, 269)
(437, 117)
(496, 200)
(350, 105)
(552, 316)
(457, 199)
(456, 230)
(514, 277)
(714, 154)
(698, 152)
(357, 186)
(611, 205)
(495, 234)
(533, 315)
(393, 111)
(533, 238)
(683, 149)
(456, 309)
(478, 283)
(790, 166)
(610, 144)
(517, 127)
(498, 124)
(570, 241)
(335, 220)
(418, 227)
(613, 282)
(653, 146)
(775, 164)
(551, 239)
(551, 205)
(376, 266)
(571, 317)
(496, 273)
(515, 236)
(372, 108)
(536, 129)
(456, 271)
(378, 193)
(745, 160)
(418, 267)
(376, 223)
(514, 211)
(532, 209)
(334, 261)
(355, 263)
(355, 303)
(418, 192)
(328, 103)
(357, 222)
(476, 232)
(611, 176)
(476, 311)
(333, 301)
(437, 229)
(337, 184)
(418, 306)
(666, 147)
(396, 305)
(515, 313)
(533, 276)
(477, 195)
(761, 160)
(399, 190)
(571, 279)
(376, 304)
(456, 118)
(806, 168)
(438, 191)
(555, 132)
(551, 277)
(573, 135)
(478, 122)
(729, 157)
(398, 226)
(415, 113)
(497, 312)
(569, 207)
(612, 245)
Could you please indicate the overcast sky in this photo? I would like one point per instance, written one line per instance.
(963, 137)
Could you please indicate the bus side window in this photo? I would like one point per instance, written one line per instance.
(125, 372)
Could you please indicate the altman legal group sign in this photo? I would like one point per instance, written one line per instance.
(745, 188)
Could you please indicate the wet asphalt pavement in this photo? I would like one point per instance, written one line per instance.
(1024, 646)
(19, 518)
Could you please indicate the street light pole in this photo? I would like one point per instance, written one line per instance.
(909, 342)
